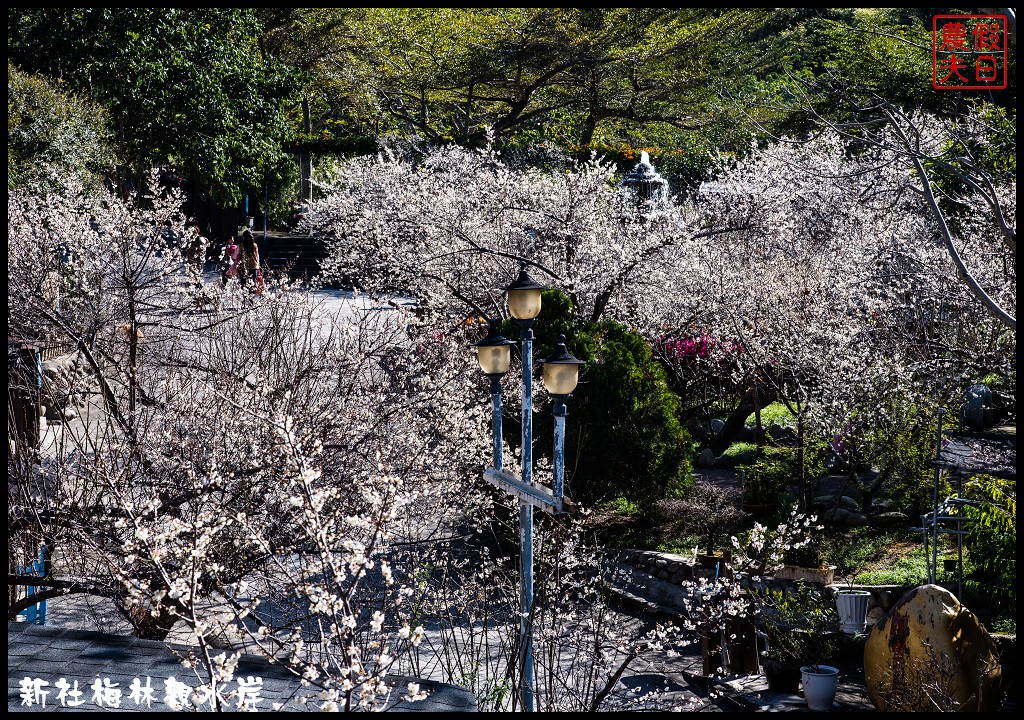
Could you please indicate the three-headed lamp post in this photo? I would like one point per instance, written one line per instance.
(560, 373)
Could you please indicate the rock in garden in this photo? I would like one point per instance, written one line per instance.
(717, 426)
(731, 461)
(891, 519)
(781, 433)
(930, 654)
(843, 516)
(706, 458)
(840, 501)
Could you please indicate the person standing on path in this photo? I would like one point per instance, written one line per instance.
(231, 261)
(250, 262)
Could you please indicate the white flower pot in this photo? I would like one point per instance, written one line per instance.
(819, 684)
(853, 610)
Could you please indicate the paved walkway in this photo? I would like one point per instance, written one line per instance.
(64, 669)
(682, 686)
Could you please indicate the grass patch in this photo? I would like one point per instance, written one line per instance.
(738, 448)
(1007, 625)
(910, 569)
(872, 557)
(622, 506)
(684, 545)
(774, 414)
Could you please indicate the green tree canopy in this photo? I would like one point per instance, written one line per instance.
(569, 75)
(53, 135)
(186, 88)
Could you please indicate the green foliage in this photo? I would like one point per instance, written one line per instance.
(622, 506)
(52, 134)
(992, 538)
(816, 454)
(567, 76)
(856, 548)
(1006, 625)
(910, 569)
(630, 438)
(186, 88)
(739, 448)
(902, 453)
(800, 624)
(679, 544)
(774, 414)
(765, 479)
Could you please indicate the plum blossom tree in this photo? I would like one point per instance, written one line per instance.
(839, 287)
(818, 262)
(450, 228)
(273, 477)
(263, 449)
(964, 162)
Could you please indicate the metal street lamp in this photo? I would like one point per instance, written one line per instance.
(495, 354)
(561, 374)
(524, 303)
(524, 298)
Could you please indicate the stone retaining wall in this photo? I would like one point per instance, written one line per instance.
(677, 569)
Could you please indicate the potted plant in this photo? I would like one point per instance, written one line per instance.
(818, 680)
(798, 627)
(710, 513)
(819, 683)
(807, 562)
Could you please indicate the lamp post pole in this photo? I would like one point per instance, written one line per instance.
(526, 520)
(558, 410)
(495, 358)
(524, 301)
(496, 420)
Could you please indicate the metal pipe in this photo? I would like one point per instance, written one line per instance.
(933, 571)
(559, 412)
(496, 420)
(526, 338)
(526, 602)
(526, 523)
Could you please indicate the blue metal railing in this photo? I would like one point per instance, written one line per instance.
(35, 614)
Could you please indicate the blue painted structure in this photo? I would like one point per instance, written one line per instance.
(35, 614)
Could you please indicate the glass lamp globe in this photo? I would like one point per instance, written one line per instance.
(494, 352)
(561, 370)
(524, 297)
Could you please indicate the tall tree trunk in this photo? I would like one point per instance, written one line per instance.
(133, 350)
(737, 419)
(758, 432)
